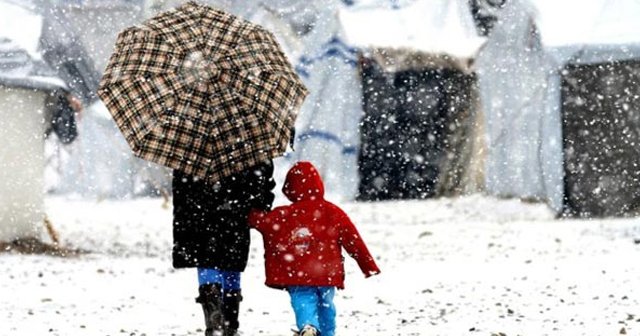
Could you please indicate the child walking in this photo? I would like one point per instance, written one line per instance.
(303, 245)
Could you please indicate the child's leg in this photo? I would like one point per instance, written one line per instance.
(327, 310)
(304, 300)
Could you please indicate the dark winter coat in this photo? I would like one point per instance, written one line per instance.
(303, 241)
(62, 118)
(210, 226)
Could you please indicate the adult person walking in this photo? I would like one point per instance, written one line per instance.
(210, 232)
(213, 97)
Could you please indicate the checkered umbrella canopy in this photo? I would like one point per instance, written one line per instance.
(202, 91)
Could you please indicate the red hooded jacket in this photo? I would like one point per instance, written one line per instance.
(303, 241)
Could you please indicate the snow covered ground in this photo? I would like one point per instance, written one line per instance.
(469, 266)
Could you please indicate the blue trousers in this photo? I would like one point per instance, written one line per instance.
(229, 280)
(314, 306)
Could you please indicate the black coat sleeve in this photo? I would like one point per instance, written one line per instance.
(262, 184)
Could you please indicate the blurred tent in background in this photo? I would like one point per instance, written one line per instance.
(99, 164)
(63, 50)
(26, 81)
(93, 25)
(408, 99)
(327, 127)
(419, 133)
(23, 64)
(524, 154)
(562, 105)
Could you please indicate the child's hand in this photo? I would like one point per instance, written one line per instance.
(371, 273)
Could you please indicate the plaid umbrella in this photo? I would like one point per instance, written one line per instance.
(202, 91)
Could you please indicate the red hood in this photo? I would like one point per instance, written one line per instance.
(303, 183)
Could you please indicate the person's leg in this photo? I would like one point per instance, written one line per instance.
(210, 276)
(211, 299)
(304, 301)
(327, 311)
(232, 295)
(230, 280)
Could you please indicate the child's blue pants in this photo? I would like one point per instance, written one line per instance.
(314, 306)
(227, 279)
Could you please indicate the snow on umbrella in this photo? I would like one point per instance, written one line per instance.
(202, 91)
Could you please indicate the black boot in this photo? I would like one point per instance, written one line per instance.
(230, 311)
(211, 300)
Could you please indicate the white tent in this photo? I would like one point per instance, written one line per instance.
(427, 38)
(99, 163)
(327, 126)
(520, 72)
(13, 15)
(21, 62)
(432, 26)
(24, 84)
